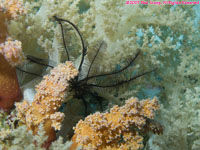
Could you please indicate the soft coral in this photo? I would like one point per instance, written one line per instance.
(10, 55)
(9, 87)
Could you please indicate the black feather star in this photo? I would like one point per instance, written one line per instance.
(82, 87)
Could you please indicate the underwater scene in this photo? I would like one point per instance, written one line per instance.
(99, 75)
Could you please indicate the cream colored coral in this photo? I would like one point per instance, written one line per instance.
(102, 131)
(50, 94)
(56, 118)
(22, 108)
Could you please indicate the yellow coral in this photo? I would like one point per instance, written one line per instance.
(104, 131)
(12, 8)
(50, 94)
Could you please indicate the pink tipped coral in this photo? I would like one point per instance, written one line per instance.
(112, 131)
(12, 51)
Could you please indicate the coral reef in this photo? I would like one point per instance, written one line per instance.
(50, 94)
(167, 36)
(101, 131)
(162, 37)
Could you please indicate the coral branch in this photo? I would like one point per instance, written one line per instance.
(49, 97)
(106, 131)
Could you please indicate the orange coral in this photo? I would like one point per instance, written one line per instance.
(9, 87)
(10, 55)
(12, 8)
(106, 131)
(50, 94)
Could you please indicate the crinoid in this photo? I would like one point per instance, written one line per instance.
(83, 86)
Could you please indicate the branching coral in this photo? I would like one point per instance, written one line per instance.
(50, 94)
(113, 130)
(182, 120)
(127, 28)
(14, 135)
(19, 139)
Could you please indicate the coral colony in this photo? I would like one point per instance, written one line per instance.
(10, 55)
(99, 75)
